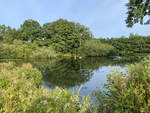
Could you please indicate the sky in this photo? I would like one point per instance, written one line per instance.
(104, 18)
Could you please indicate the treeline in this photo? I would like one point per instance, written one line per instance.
(62, 36)
(134, 45)
(65, 38)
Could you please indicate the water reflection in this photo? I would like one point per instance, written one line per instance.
(66, 73)
(70, 73)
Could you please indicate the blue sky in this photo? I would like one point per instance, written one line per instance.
(105, 18)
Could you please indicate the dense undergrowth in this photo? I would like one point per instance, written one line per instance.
(20, 91)
(126, 93)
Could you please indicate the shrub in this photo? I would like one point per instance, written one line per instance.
(43, 52)
(13, 51)
(4, 82)
(23, 94)
(25, 50)
(126, 93)
(95, 48)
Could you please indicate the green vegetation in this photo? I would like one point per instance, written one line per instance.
(65, 39)
(135, 45)
(66, 36)
(95, 48)
(126, 93)
(20, 91)
(137, 10)
(25, 50)
(20, 86)
(58, 38)
(30, 30)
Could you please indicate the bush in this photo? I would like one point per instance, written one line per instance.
(25, 50)
(95, 48)
(23, 94)
(43, 52)
(126, 93)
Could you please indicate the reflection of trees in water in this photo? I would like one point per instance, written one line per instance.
(122, 61)
(70, 73)
(66, 73)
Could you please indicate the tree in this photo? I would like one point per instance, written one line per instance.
(138, 10)
(65, 36)
(2, 30)
(30, 30)
(7, 34)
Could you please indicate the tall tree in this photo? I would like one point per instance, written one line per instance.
(138, 12)
(30, 30)
(65, 35)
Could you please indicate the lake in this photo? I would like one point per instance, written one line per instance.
(72, 74)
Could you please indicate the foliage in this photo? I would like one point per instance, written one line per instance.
(126, 93)
(30, 30)
(25, 50)
(66, 39)
(7, 34)
(65, 36)
(95, 48)
(23, 94)
(137, 10)
(61, 35)
(135, 45)
(43, 52)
